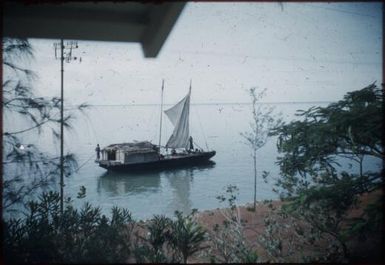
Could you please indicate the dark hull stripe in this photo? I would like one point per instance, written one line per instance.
(164, 163)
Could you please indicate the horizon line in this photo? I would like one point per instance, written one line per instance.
(207, 103)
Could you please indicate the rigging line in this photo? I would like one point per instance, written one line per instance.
(92, 127)
(100, 117)
(150, 122)
(84, 163)
(200, 124)
(165, 128)
(198, 146)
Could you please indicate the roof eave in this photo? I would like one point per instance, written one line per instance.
(147, 24)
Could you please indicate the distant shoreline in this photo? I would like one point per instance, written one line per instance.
(208, 104)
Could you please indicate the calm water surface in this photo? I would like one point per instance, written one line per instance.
(183, 189)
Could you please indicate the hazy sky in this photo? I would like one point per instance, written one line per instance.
(298, 51)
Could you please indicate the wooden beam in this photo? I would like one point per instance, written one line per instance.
(148, 24)
(162, 21)
(60, 28)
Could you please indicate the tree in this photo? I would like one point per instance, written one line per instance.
(263, 122)
(350, 128)
(26, 167)
(319, 191)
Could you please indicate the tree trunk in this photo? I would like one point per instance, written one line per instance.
(255, 180)
(361, 164)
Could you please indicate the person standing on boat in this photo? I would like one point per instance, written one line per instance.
(97, 149)
(190, 139)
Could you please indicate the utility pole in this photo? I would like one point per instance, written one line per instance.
(65, 54)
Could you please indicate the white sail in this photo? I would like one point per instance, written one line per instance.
(179, 117)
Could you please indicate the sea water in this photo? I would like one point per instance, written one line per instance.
(215, 127)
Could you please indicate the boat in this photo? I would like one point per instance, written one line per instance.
(178, 151)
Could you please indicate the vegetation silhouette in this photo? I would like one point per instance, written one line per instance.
(26, 168)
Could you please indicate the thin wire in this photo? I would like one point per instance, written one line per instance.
(92, 127)
(150, 122)
(204, 136)
(84, 163)
(198, 146)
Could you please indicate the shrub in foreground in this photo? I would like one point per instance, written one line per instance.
(85, 235)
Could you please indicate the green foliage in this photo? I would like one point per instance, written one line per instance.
(265, 175)
(370, 222)
(186, 236)
(228, 241)
(85, 236)
(159, 230)
(26, 168)
(146, 254)
(250, 256)
(45, 235)
(316, 191)
(262, 123)
(260, 128)
(350, 128)
(81, 193)
(169, 241)
(232, 192)
(154, 246)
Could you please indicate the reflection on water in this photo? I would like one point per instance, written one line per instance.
(144, 182)
(117, 183)
(180, 182)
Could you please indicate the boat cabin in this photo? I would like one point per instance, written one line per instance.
(127, 153)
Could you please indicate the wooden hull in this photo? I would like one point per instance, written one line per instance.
(167, 162)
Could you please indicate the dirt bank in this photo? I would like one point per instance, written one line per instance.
(368, 249)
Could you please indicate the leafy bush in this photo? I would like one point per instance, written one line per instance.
(228, 243)
(186, 236)
(170, 240)
(153, 247)
(85, 236)
(311, 181)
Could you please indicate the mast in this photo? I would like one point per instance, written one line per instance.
(161, 110)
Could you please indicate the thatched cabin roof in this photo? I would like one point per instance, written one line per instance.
(135, 147)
